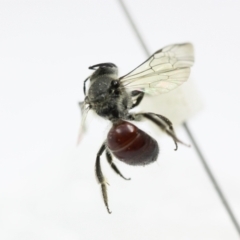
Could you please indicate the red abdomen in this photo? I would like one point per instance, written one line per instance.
(131, 145)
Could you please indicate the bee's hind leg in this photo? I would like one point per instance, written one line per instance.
(164, 123)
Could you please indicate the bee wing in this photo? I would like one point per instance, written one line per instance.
(84, 108)
(165, 70)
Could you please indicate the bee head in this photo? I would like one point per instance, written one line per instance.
(104, 68)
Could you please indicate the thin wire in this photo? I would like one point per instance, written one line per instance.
(133, 25)
(190, 135)
(212, 178)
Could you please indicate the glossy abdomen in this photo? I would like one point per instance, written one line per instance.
(131, 145)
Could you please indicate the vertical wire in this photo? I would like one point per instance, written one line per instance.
(189, 133)
(212, 178)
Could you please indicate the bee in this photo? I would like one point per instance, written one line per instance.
(113, 98)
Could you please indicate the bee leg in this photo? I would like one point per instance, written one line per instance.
(113, 166)
(169, 131)
(165, 124)
(84, 86)
(139, 98)
(101, 178)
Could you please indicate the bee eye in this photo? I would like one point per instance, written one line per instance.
(115, 83)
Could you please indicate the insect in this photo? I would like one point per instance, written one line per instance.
(113, 98)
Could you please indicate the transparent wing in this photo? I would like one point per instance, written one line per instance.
(84, 108)
(165, 70)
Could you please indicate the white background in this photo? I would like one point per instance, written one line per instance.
(48, 188)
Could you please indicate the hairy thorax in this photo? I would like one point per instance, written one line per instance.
(108, 102)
